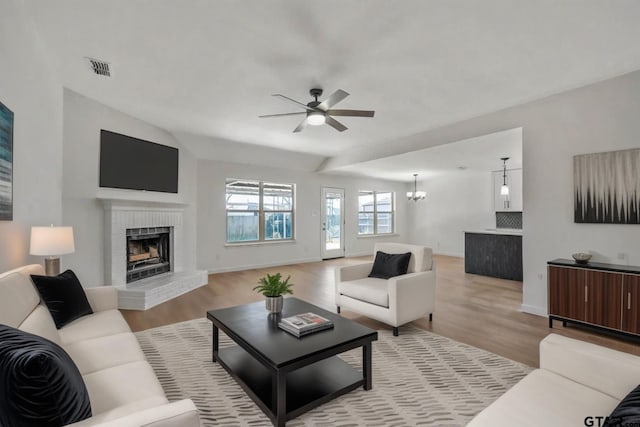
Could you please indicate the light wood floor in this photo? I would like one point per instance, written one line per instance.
(477, 310)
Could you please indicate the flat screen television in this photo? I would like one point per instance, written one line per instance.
(135, 164)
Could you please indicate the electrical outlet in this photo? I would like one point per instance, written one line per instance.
(622, 256)
(540, 276)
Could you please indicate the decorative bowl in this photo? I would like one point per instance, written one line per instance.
(581, 257)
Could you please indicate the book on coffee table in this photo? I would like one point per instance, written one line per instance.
(304, 324)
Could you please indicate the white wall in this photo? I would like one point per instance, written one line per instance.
(83, 120)
(215, 256)
(457, 201)
(595, 118)
(29, 87)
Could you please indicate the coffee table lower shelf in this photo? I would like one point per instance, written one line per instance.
(306, 387)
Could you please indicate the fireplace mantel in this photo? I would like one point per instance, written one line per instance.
(139, 204)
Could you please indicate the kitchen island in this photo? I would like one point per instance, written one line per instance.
(494, 253)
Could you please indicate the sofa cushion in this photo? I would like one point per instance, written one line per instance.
(39, 383)
(19, 298)
(99, 353)
(40, 322)
(544, 398)
(64, 297)
(627, 412)
(371, 290)
(113, 417)
(100, 324)
(122, 385)
(591, 364)
(386, 266)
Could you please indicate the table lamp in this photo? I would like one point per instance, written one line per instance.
(50, 242)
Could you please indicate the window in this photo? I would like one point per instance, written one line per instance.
(376, 210)
(259, 211)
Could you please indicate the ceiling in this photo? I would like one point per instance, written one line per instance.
(206, 69)
(480, 154)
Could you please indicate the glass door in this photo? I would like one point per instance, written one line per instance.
(332, 222)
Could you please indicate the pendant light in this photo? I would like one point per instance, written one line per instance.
(504, 190)
(416, 195)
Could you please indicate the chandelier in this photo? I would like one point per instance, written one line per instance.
(416, 195)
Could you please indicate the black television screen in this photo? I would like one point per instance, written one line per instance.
(135, 164)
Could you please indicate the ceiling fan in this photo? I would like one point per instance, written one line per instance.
(318, 113)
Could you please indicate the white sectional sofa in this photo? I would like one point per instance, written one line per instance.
(576, 383)
(122, 386)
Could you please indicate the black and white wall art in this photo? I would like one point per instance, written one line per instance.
(6, 163)
(607, 187)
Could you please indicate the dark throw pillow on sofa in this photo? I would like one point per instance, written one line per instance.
(39, 383)
(64, 297)
(390, 265)
(627, 412)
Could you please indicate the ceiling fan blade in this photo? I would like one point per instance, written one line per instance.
(300, 104)
(301, 126)
(335, 124)
(281, 115)
(352, 113)
(332, 100)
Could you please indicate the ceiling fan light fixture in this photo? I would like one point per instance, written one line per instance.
(316, 118)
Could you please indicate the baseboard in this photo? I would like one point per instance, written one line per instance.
(533, 309)
(264, 265)
(453, 254)
(357, 254)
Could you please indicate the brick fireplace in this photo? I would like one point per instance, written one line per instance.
(144, 253)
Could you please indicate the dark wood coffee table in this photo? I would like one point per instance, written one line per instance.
(284, 375)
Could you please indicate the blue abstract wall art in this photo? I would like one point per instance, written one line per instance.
(6, 163)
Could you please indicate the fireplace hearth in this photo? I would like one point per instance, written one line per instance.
(148, 252)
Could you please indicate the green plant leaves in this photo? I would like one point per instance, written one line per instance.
(272, 285)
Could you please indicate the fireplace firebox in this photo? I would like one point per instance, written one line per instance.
(148, 252)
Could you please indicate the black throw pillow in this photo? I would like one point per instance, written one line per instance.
(627, 412)
(390, 265)
(39, 383)
(64, 297)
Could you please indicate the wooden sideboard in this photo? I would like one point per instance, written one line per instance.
(595, 294)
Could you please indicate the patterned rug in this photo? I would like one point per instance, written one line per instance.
(419, 378)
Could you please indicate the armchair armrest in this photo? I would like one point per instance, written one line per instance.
(102, 298)
(610, 371)
(182, 413)
(353, 272)
(413, 295)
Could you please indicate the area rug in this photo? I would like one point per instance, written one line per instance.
(419, 379)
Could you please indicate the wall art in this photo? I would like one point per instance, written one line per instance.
(6, 163)
(607, 187)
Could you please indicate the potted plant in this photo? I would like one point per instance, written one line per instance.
(273, 288)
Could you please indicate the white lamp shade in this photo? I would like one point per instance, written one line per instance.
(504, 190)
(49, 241)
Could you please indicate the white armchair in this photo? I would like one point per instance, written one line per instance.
(394, 301)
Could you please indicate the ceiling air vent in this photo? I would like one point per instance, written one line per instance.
(99, 67)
